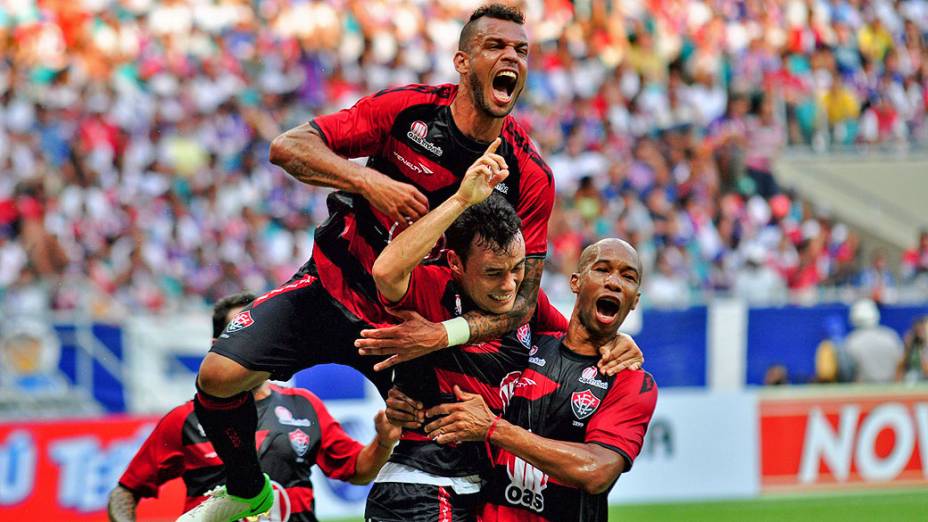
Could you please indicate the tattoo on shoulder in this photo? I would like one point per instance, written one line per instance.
(484, 326)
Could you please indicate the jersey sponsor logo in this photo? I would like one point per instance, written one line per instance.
(584, 403)
(524, 335)
(240, 321)
(285, 417)
(526, 484)
(509, 384)
(299, 441)
(589, 377)
(419, 128)
(417, 133)
(538, 361)
(417, 167)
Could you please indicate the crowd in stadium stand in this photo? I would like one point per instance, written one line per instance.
(134, 136)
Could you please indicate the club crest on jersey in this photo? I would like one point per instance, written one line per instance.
(589, 377)
(240, 321)
(524, 334)
(584, 403)
(417, 133)
(299, 441)
(285, 417)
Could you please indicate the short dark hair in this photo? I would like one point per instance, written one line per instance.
(494, 223)
(222, 307)
(498, 11)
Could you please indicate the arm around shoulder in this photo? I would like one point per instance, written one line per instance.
(588, 466)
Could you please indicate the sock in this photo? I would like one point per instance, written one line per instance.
(230, 425)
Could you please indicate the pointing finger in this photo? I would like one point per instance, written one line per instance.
(493, 146)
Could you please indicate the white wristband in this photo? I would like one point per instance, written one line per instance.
(458, 331)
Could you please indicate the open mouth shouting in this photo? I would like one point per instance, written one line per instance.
(607, 309)
(504, 86)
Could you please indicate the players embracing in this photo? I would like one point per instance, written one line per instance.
(419, 141)
(571, 426)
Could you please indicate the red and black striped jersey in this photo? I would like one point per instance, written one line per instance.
(490, 369)
(295, 431)
(562, 396)
(408, 134)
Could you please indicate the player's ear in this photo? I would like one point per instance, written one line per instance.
(455, 263)
(461, 63)
(575, 283)
(635, 302)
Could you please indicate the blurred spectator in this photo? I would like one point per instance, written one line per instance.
(134, 135)
(668, 287)
(914, 364)
(842, 108)
(915, 260)
(756, 282)
(876, 350)
(832, 362)
(876, 281)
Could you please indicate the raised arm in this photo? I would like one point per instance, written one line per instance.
(304, 154)
(393, 267)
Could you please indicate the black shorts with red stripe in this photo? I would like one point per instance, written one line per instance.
(296, 326)
(419, 503)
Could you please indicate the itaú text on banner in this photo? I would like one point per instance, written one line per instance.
(64, 470)
(856, 439)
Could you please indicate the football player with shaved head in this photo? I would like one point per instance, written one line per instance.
(569, 431)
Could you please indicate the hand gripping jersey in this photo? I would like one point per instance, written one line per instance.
(294, 432)
(490, 369)
(562, 396)
(408, 134)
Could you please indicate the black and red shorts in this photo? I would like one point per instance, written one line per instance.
(401, 502)
(296, 326)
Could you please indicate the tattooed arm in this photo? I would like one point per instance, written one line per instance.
(122, 504)
(484, 326)
(303, 153)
